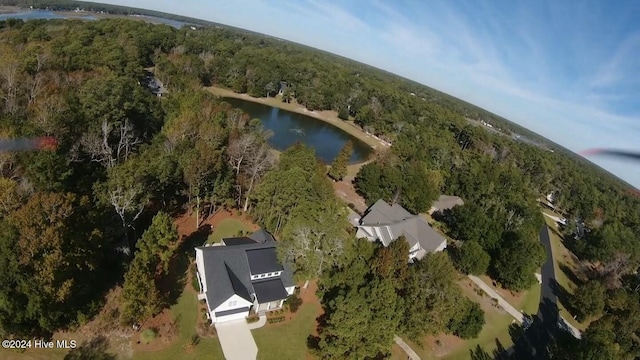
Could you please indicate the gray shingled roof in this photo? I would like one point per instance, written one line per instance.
(270, 290)
(238, 241)
(262, 261)
(228, 269)
(382, 213)
(445, 202)
(394, 221)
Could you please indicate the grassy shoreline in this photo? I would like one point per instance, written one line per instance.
(328, 116)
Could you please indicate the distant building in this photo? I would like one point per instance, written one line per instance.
(445, 202)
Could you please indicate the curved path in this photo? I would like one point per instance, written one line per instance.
(412, 354)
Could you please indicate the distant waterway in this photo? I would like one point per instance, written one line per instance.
(49, 15)
(290, 128)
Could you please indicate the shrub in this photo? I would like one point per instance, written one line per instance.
(252, 319)
(195, 283)
(468, 323)
(277, 319)
(148, 335)
(293, 302)
(195, 340)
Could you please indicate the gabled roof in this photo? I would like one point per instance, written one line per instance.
(382, 213)
(228, 269)
(393, 221)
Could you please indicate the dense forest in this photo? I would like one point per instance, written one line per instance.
(101, 203)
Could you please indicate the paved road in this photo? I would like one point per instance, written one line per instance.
(236, 340)
(412, 354)
(548, 295)
(501, 301)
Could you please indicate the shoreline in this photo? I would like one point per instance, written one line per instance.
(328, 116)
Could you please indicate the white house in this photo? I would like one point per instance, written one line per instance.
(386, 223)
(242, 274)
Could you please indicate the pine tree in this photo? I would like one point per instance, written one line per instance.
(338, 168)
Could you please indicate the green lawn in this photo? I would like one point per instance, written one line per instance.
(288, 340)
(562, 256)
(531, 300)
(496, 327)
(226, 228)
(186, 313)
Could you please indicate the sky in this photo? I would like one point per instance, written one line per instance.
(567, 70)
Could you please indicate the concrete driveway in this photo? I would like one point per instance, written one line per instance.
(236, 340)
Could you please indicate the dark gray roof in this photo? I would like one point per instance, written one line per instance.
(228, 269)
(262, 236)
(236, 284)
(287, 276)
(394, 221)
(219, 262)
(263, 261)
(269, 290)
(237, 241)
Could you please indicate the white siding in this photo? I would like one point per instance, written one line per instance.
(442, 246)
(290, 290)
(234, 302)
(365, 232)
(266, 275)
(200, 267)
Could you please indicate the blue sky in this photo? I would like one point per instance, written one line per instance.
(568, 70)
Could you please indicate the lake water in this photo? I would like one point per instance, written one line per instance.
(48, 15)
(290, 128)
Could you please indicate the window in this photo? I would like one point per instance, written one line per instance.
(269, 274)
(262, 275)
(233, 303)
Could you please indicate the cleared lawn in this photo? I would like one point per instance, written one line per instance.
(496, 327)
(526, 301)
(226, 228)
(186, 314)
(288, 340)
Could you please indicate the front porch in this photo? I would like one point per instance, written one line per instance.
(268, 306)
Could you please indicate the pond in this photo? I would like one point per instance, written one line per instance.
(290, 128)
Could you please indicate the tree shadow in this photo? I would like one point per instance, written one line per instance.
(564, 297)
(313, 343)
(499, 353)
(532, 339)
(94, 349)
(570, 274)
(173, 284)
